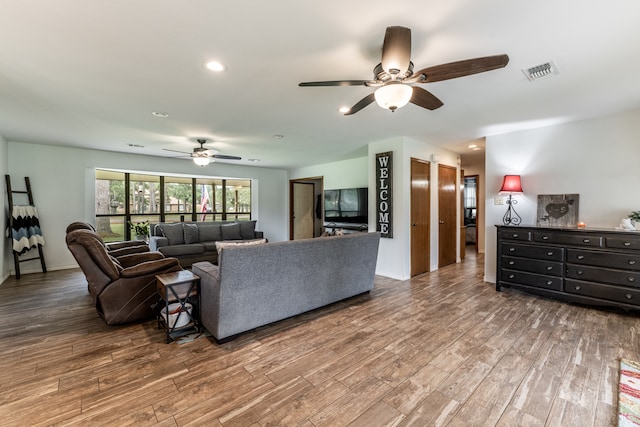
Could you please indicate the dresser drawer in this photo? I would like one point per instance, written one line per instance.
(531, 279)
(575, 239)
(607, 292)
(523, 235)
(624, 242)
(604, 275)
(532, 265)
(528, 251)
(604, 259)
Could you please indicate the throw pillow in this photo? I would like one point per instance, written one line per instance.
(231, 231)
(191, 234)
(209, 232)
(221, 245)
(173, 232)
(247, 229)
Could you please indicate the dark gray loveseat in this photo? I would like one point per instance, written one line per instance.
(196, 241)
(256, 285)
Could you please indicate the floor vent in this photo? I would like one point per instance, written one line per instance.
(540, 71)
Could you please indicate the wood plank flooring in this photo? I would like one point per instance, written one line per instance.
(443, 348)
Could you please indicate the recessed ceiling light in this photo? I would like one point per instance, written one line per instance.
(477, 148)
(216, 66)
(472, 146)
(160, 114)
(278, 136)
(344, 110)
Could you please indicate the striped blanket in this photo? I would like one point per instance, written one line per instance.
(25, 230)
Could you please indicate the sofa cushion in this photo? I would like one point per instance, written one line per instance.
(231, 231)
(221, 245)
(173, 232)
(191, 234)
(194, 248)
(209, 232)
(247, 229)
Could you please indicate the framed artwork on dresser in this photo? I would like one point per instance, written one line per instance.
(558, 210)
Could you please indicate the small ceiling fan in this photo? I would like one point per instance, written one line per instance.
(203, 156)
(394, 76)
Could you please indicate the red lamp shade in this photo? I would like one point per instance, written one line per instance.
(511, 184)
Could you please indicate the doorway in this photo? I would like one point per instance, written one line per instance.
(305, 208)
(471, 212)
(447, 196)
(420, 213)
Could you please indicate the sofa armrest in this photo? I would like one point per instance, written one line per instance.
(259, 234)
(149, 267)
(134, 259)
(156, 242)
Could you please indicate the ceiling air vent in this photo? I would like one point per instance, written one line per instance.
(539, 71)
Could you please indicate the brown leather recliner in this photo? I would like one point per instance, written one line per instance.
(123, 288)
(116, 249)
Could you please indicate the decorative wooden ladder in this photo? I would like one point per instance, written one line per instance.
(16, 255)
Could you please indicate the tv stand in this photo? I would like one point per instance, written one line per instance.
(346, 226)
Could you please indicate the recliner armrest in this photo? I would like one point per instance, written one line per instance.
(133, 259)
(149, 267)
(126, 244)
(128, 250)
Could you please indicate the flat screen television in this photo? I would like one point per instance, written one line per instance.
(347, 205)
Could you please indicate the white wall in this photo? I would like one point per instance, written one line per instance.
(598, 159)
(63, 182)
(5, 248)
(394, 256)
(351, 173)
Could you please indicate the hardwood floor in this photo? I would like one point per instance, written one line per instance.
(441, 349)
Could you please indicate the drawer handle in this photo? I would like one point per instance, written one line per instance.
(627, 243)
(512, 249)
(511, 262)
(580, 257)
(550, 253)
(586, 240)
(511, 276)
(545, 237)
(549, 282)
(515, 235)
(632, 262)
(631, 279)
(629, 296)
(580, 272)
(549, 268)
(577, 287)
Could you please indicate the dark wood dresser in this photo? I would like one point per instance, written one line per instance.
(587, 266)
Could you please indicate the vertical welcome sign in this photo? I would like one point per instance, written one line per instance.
(384, 194)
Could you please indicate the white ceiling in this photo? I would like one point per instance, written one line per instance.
(89, 73)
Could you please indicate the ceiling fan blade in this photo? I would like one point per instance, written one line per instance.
(335, 83)
(361, 104)
(225, 157)
(396, 50)
(425, 99)
(467, 67)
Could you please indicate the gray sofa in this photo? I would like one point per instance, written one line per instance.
(196, 241)
(256, 285)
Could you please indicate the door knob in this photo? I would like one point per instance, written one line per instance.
(441, 221)
(414, 225)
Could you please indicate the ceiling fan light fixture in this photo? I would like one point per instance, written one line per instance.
(393, 95)
(201, 160)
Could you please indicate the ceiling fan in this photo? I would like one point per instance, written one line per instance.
(203, 156)
(394, 76)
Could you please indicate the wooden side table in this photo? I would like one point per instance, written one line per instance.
(181, 287)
